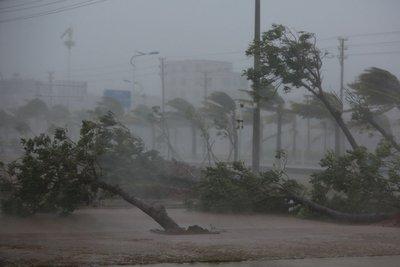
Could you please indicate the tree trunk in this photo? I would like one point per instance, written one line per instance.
(337, 140)
(157, 213)
(308, 137)
(279, 130)
(194, 141)
(235, 139)
(153, 136)
(339, 120)
(294, 138)
(324, 123)
(256, 154)
(337, 215)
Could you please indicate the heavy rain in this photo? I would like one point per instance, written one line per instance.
(199, 133)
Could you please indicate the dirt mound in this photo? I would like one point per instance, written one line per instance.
(392, 222)
(191, 230)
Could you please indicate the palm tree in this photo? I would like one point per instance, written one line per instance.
(378, 88)
(313, 108)
(281, 117)
(375, 92)
(221, 109)
(195, 118)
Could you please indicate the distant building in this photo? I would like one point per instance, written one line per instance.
(16, 92)
(194, 79)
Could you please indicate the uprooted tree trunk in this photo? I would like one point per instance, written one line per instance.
(157, 213)
(337, 115)
(337, 215)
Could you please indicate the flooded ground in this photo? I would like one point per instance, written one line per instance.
(122, 236)
(384, 261)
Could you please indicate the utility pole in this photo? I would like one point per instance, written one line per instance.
(256, 87)
(51, 80)
(162, 75)
(342, 57)
(132, 61)
(339, 143)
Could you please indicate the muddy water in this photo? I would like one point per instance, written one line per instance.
(384, 261)
(122, 236)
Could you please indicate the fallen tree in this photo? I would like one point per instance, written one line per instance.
(157, 213)
(337, 215)
(358, 191)
(58, 175)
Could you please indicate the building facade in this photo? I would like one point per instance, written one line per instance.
(194, 80)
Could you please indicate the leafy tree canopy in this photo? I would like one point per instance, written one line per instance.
(378, 87)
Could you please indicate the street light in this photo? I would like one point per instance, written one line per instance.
(138, 54)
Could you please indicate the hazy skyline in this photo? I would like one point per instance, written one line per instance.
(108, 33)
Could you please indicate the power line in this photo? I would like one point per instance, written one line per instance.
(32, 7)
(21, 4)
(55, 11)
(362, 44)
(375, 43)
(374, 34)
(374, 53)
(362, 35)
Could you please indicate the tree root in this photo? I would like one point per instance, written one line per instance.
(191, 230)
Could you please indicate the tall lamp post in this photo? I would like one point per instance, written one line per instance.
(132, 61)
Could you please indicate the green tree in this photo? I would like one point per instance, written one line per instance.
(294, 59)
(378, 87)
(375, 92)
(196, 119)
(108, 104)
(221, 109)
(313, 108)
(144, 115)
(57, 174)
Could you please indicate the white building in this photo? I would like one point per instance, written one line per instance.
(193, 80)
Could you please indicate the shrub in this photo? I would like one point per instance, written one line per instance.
(234, 188)
(359, 181)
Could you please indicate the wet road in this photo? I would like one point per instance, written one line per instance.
(122, 236)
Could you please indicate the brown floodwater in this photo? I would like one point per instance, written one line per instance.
(122, 236)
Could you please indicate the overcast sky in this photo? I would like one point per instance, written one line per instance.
(108, 33)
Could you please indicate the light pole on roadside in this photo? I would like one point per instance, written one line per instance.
(132, 61)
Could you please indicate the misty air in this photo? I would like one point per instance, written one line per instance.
(199, 133)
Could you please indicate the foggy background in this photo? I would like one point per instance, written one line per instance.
(107, 34)
(203, 44)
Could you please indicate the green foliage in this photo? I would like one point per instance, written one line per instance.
(106, 105)
(235, 188)
(221, 109)
(56, 174)
(375, 92)
(359, 181)
(315, 109)
(46, 179)
(290, 57)
(378, 87)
